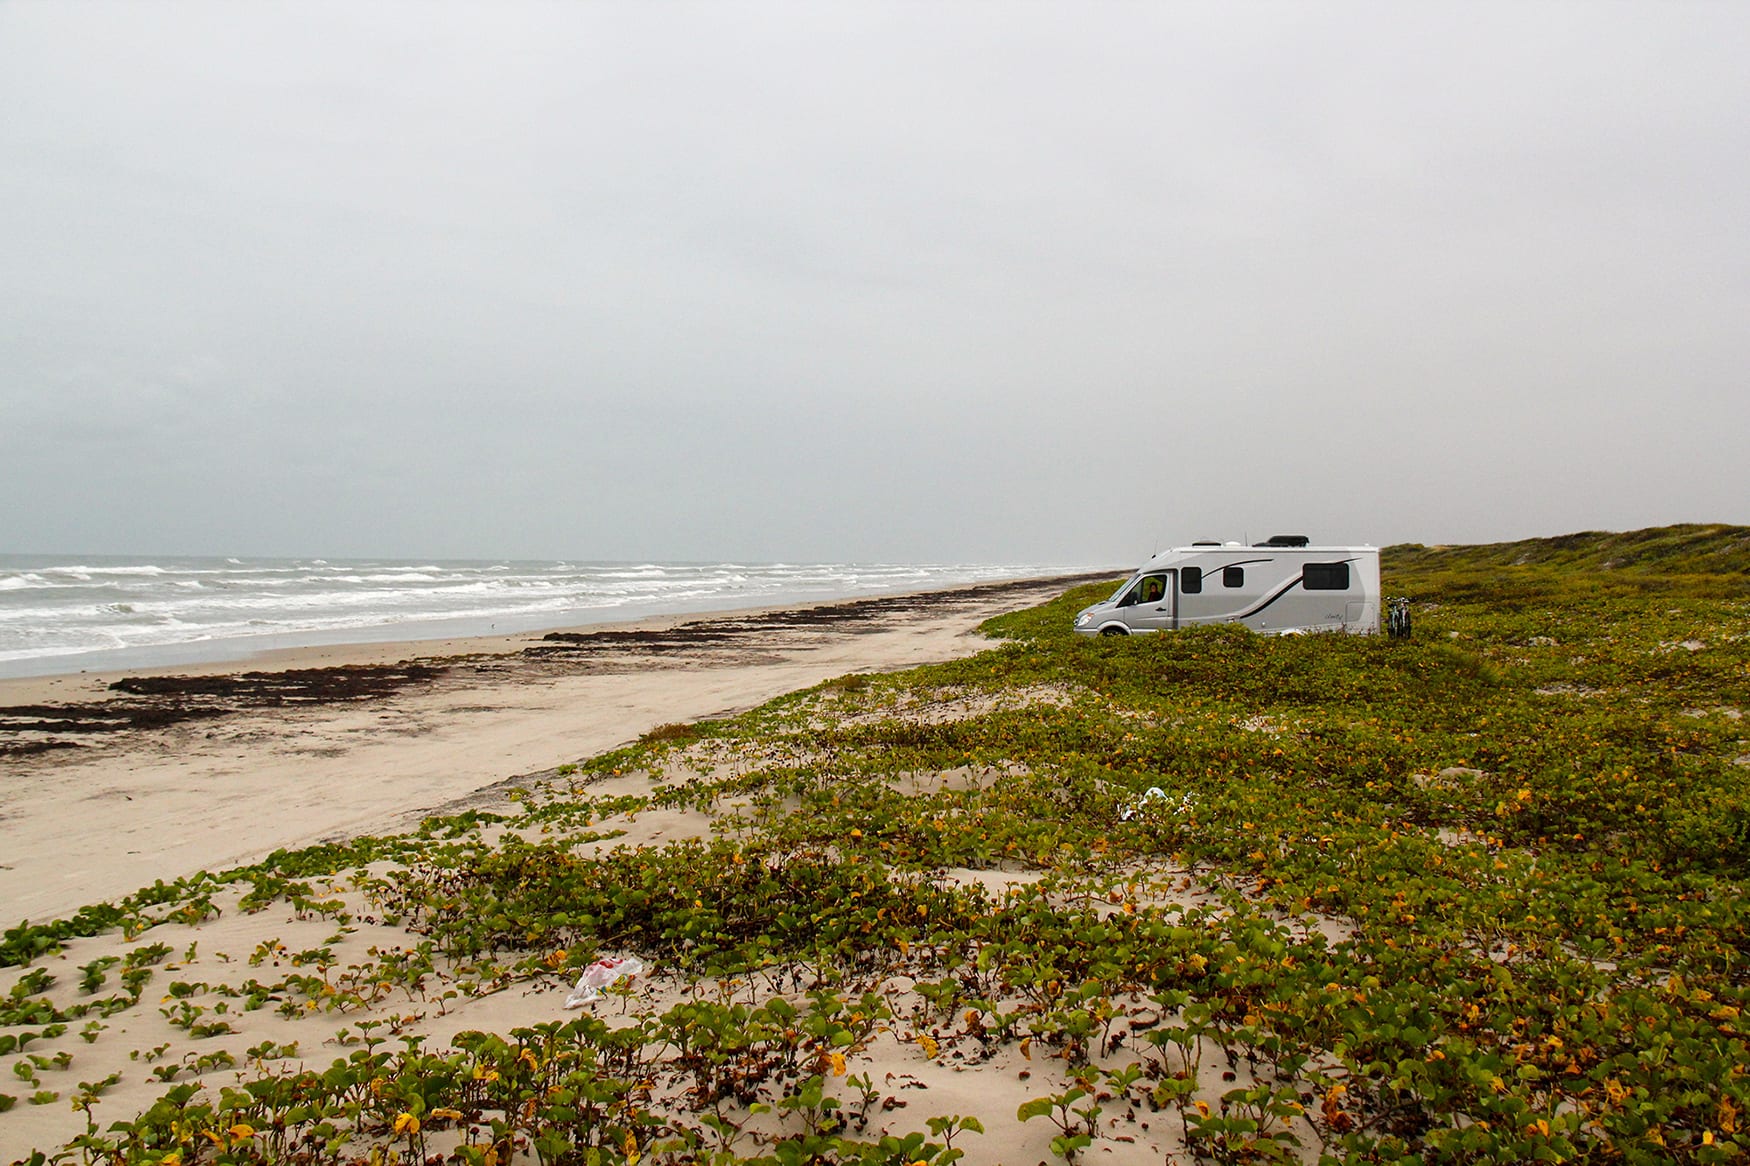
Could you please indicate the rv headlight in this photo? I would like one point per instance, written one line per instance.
(1084, 619)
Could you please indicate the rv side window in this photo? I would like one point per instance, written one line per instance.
(1191, 580)
(1325, 576)
(1233, 576)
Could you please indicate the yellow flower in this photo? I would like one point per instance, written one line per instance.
(406, 1123)
(447, 1114)
(928, 1044)
(837, 1061)
(242, 1132)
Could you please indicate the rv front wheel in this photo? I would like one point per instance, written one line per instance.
(1113, 631)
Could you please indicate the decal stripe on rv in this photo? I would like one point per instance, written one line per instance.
(1284, 590)
(1290, 586)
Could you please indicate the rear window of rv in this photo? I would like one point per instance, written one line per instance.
(1325, 576)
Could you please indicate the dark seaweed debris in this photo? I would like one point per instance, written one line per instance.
(276, 689)
(159, 702)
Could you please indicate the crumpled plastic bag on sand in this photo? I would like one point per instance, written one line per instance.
(1155, 793)
(600, 975)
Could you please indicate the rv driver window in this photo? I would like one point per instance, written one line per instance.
(1149, 589)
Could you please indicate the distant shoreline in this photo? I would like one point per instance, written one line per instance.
(92, 673)
(396, 641)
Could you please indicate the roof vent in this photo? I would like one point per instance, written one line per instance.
(1285, 540)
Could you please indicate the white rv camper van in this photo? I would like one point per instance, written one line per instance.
(1280, 586)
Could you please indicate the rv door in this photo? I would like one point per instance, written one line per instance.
(1149, 604)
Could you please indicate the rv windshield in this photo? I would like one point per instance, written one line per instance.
(1122, 587)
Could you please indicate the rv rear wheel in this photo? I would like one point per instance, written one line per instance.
(1113, 631)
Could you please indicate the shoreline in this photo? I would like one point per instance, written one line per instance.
(254, 769)
(388, 643)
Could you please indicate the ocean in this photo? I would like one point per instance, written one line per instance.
(63, 613)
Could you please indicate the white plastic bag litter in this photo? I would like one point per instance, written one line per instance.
(601, 974)
(1154, 792)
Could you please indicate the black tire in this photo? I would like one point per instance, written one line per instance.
(1113, 631)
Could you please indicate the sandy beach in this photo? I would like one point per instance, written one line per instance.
(336, 742)
(117, 809)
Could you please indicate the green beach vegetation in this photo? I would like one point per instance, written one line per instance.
(1475, 896)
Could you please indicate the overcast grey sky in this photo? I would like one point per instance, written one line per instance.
(866, 281)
